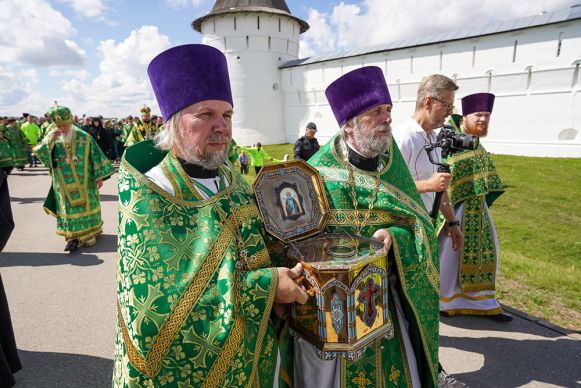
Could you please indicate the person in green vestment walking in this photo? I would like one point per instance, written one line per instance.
(196, 285)
(78, 167)
(144, 128)
(371, 193)
(18, 143)
(468, 276)
(6, 159)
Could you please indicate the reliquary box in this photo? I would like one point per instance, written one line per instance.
(344, 274)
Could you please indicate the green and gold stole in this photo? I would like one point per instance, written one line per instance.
(190, 313)
(475, 184)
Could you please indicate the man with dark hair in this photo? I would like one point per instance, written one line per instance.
(307, 145)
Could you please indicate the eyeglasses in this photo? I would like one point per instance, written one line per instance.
(449, 107)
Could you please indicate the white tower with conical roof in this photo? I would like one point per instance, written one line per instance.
(257, 37)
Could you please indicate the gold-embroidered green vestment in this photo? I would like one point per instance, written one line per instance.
(476, 184)
(73, 198)
(191, 312)
(414, 257)
(140, 131)
(16, 145)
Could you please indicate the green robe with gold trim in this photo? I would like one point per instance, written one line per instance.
(6, 159)
(476, 184)
(73, 198)
(414, 255)
(188, 316)
(140, 131)
(18, 144)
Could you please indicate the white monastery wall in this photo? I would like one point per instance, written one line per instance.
(534, 74)
(255, 44)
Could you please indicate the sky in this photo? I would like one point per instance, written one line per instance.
(92, 55)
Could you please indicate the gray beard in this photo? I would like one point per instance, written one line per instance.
(371, 145)
(193, 155)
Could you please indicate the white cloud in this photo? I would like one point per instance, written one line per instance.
(82, 74)
(122, 86)
(177, 4)
(33, 33)
(87, 8)
(18, 91)
(373, 22)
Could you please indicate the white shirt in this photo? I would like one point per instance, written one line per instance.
(157, 176)
(411, 140)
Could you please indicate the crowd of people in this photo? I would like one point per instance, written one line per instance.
(187, 223)
(20, 135)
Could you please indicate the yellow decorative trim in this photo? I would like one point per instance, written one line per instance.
(231, 347)
(93, 231)
(264, 322)
(466, 155)
(81, 214)
(285, 377)
(465, 296)
(151, 364)
(399, 267)
(376, 217)
(177, 189)
(495, 311)
(469, 178)
(139, 177)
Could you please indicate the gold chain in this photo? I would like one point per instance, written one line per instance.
(360, 224)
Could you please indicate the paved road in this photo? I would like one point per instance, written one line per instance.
(63, 311)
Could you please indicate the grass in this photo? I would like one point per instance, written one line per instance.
(538, 221)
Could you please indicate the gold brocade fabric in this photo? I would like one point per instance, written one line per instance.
(187, 315)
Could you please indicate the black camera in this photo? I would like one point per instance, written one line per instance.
(451, 142)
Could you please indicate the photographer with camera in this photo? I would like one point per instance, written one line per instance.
(467, 277)
(434, 102)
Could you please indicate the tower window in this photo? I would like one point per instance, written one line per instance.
(279, 23)
(473, 56)
(514, 51)
(412, 64)
(247, 41)
(258, 22)
(559, 43)
(269, 42)
(441, 59)
(234, 23)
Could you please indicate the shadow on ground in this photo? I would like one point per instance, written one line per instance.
(105, 243)
(27, 200)
(40, 259)
(548, 357)
(46, 369)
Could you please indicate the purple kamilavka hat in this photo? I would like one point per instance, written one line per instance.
(357, 91)
(478, 102)
(184, 75)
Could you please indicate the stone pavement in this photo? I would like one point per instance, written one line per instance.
(63, 311)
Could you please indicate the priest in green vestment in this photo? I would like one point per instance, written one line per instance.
(78, 167)
(372, 194)
(144, 128)
(196, 285)
(18, 143)
(468, 276)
